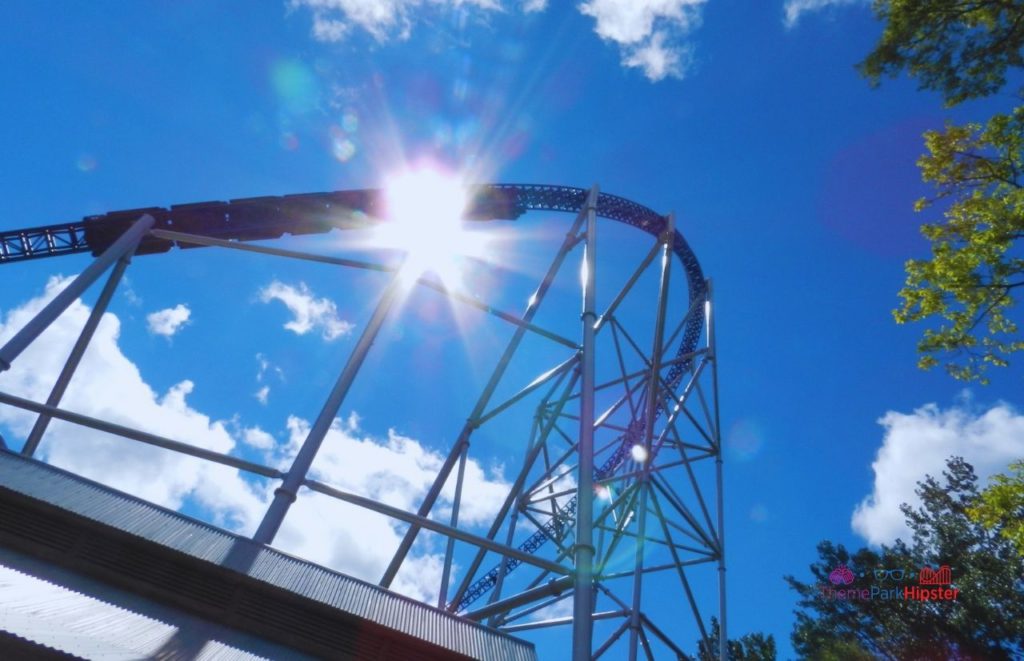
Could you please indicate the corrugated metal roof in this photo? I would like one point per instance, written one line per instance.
(205, 542)
(62, 619)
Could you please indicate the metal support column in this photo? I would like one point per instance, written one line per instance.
(442, 594)
(77, 351)
(481, 405)
(650, 414)
(124, 245)
(723, 635)
(583, 595)
(285, 495)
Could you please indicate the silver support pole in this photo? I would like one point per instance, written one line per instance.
(485, 397)
(599, 652)
(198, 240)
(559, 621)
(583, 594)
(461, 535)
(723, 635)
(554, 587)
(124, 245)
(77, 351)
(499, 585)
(665, 639)
(516, 490)
(442, 594)
(285, 495)
(141, 436)
(654, 385)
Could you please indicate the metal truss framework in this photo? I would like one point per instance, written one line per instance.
(50, 241)
(609, 507)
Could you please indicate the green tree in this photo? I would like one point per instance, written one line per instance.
(1001, 506)
(959, 48)
(963, 49)
(749, 647)
(986, 621)
(969, 281)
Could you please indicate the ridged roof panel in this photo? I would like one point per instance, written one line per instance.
(211, 544)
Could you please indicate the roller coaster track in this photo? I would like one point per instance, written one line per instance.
(265, 218)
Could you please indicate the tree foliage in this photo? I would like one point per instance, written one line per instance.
(748, 647)
(1001, 506)
(963, 49)
(960, 48)
(986, 621)
(975, 265)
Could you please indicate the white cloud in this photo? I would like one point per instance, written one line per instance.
(564, 607)
(108, 385)
(129, 292)
(396, 471)
(169, 321)
(309, 313)
(656, 60)
(918, 444)
(383, 20)
(328, 29)
(265, 367)
(648, 32)
(257, 438)
(795, 9)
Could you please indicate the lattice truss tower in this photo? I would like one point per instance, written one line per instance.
(611, 538)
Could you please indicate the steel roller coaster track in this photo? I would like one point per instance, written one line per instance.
(266, 218)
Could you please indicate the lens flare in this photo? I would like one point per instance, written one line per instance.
(424, 219)
(639, 453)
(86, 163)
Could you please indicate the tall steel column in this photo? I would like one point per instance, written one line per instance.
(723, 635)
(77, 351)
(654, 390)
(583, 587)
(285, 494)
(481, 405)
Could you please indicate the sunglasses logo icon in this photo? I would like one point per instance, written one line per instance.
(894, 574)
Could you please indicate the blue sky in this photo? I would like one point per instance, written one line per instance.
(792, 180)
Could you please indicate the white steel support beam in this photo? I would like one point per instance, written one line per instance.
(199, 240)
(442, 593)
(485, 397)
(583, 591)
(77, 351)
(141, 436)
(716, 432)
(124, 245)
(515, 492)
(285, 494)
(653, 388)
(435, 526)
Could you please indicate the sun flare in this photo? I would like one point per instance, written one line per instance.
(424, 220)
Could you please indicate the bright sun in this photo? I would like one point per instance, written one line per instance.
(424, 220)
